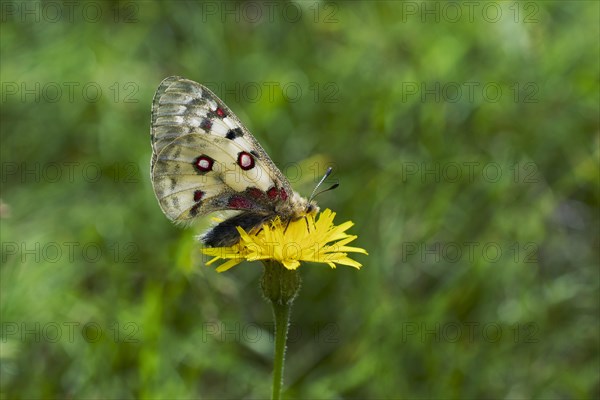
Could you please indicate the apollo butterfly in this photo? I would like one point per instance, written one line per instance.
(204, 160)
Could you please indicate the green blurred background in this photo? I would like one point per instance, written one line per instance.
(465, 139)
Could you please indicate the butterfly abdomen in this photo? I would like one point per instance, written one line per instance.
(225, 234)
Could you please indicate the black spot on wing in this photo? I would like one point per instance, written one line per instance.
(255, 154)
(206, 124)
(194, 209)
(234, 133)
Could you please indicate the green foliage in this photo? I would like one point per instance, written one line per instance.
(467, 151)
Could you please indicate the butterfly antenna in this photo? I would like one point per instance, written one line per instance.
(314, 193)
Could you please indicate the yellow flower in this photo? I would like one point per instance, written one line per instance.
(302, 240)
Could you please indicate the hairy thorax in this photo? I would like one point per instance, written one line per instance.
(298, 207)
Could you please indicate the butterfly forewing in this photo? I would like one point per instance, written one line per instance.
(204, 159)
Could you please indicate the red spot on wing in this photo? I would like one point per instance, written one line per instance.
(272, 193)
(198, 194)
(206, 124)
(283, 194)
(220, 112)
(255, 192)
(245, 160)
(239, 202)
(203, 163)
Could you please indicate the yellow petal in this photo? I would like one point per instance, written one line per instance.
(227, 265)
(291, 264)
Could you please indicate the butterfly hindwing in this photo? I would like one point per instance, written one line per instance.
(205, 160)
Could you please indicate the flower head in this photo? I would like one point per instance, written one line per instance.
(305, 239)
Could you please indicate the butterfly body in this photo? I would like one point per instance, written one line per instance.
(204, 160)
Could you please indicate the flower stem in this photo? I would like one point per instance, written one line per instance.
(280, 286)
(281, 313)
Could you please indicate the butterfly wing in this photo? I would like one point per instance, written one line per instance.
(204, 159)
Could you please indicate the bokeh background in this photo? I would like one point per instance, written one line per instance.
(465, 140)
